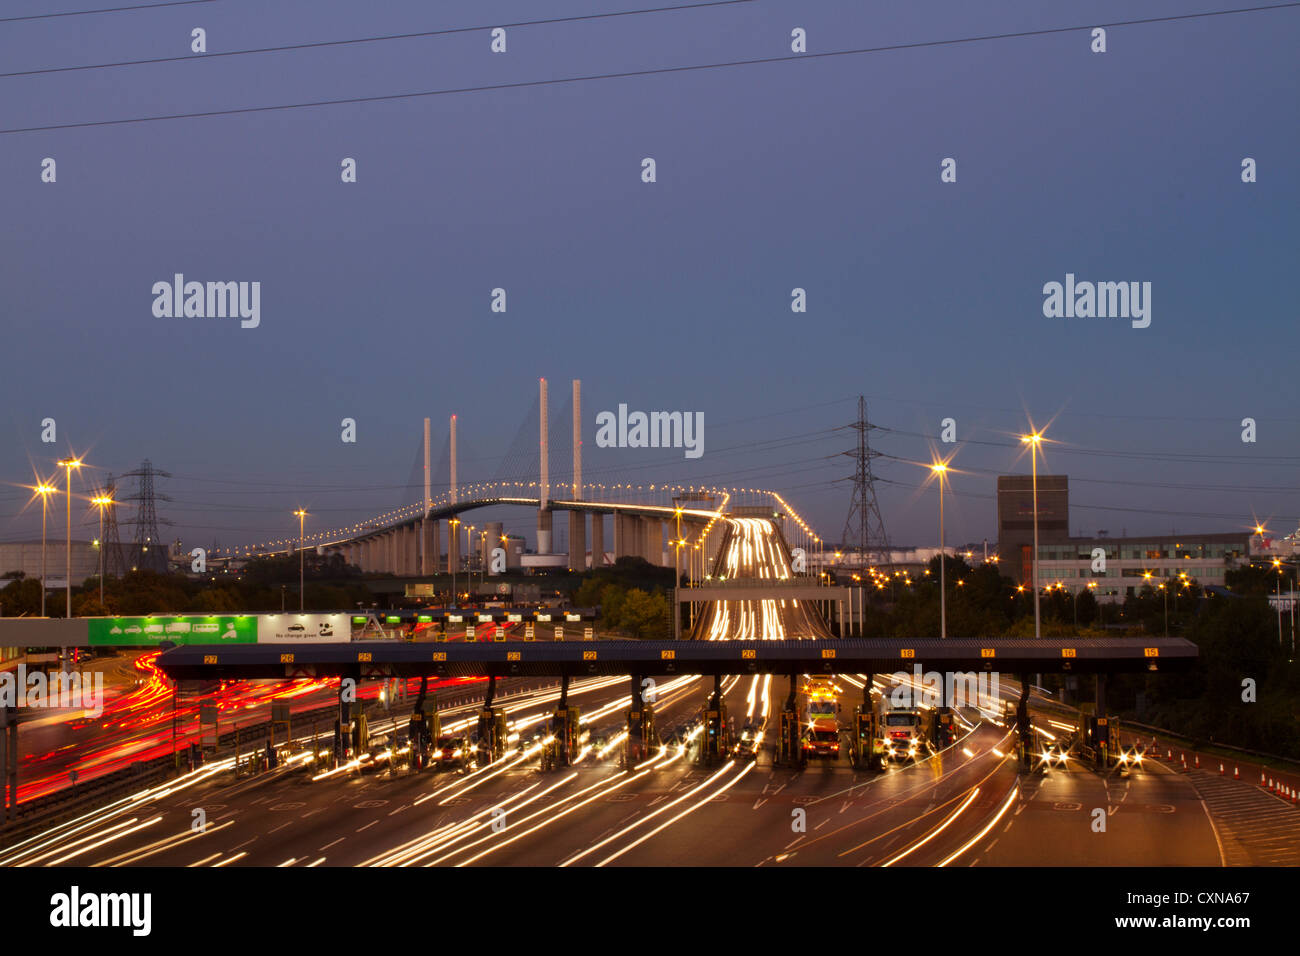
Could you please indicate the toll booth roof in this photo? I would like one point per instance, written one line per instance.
(578, 658)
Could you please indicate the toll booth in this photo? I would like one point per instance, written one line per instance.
(641, 738)
(360, 731)
(1024, 729)
(945, 727)
(865, 754)
(789, 752)
(492, 733)
(1098, 736)
(422, 733)
(716, 744)
(565, 727)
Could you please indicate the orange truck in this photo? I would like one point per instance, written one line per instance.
(821, 736)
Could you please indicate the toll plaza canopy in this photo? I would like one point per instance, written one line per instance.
(582, 658)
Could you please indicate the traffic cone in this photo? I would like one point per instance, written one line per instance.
(1220, 770)
(1169, 754)
(1198, 761)
(1184, 756)
(1236, 773)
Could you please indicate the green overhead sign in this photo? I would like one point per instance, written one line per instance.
(144, 631)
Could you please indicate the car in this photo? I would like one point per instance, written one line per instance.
(450, 753)
(296, 627)
(746, 746)
(377, 753)
(821, 742)
(1054, 754)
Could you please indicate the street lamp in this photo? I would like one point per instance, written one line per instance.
(452, 545)
(1033, 440)
(469, 557)
(101, 502)
(1278, 564)
(302, 558)
(941, 469)
(44, 491)
(68, 464)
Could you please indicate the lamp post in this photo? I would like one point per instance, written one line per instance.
(101, 502)
(453, 544)
(1278, 564)
(940, 469)
(302, 560)
(469, 556)
(68, 464)
(482, 559)
(44, 491)
(1033, 440)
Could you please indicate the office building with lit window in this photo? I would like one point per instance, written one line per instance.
(1130, 563)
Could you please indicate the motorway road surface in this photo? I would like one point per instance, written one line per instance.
(967, 806)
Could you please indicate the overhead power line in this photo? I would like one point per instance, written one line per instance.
(86, 13)
(631, 74)
(323, 44)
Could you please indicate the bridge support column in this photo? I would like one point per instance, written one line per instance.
(544, 531)
(413, 550)
(431, 533)
(597, 540)
(390, 552)
(652, 540)
(620, 535)
(577, 540)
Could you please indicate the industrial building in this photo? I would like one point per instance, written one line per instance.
(1113, 568)
(25, 556)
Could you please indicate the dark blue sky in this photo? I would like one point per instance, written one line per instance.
(821, 174)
